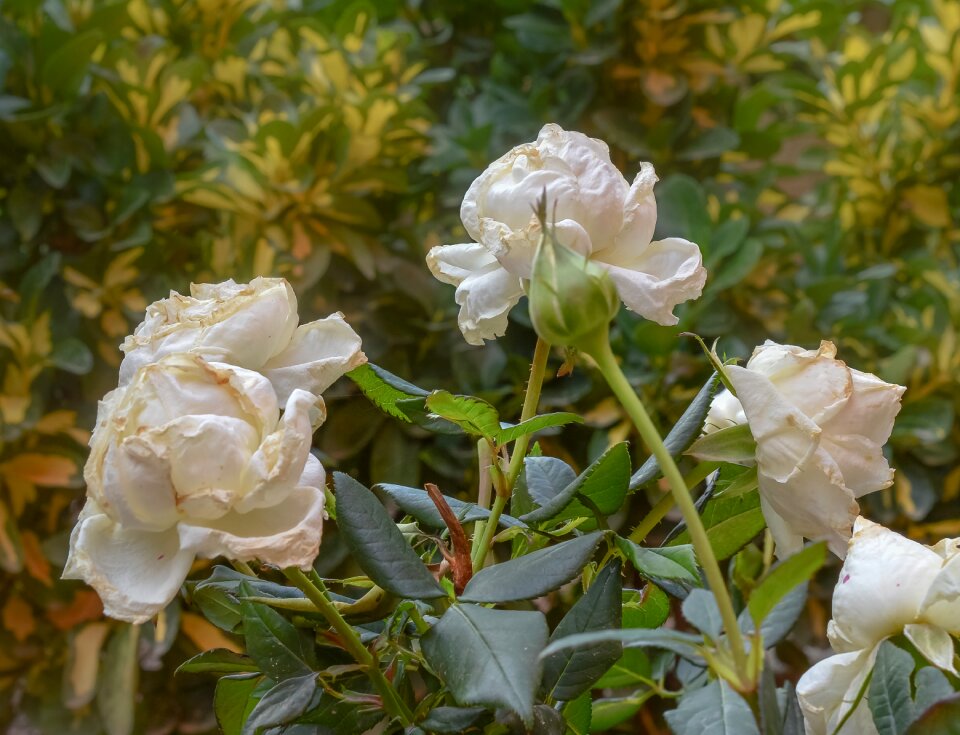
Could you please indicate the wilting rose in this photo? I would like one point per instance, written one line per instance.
(820, 428)
(193, 458)
(252, 326)
(596, 213)
(888, 585)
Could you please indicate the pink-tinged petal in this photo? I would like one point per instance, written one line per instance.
(812, 380)
(941, 604)
(882, 585)
(786, 437)
(861, 462)
(814, 503)
(136, 573)
(319, 353)
(870, 411)
(286, 535)
(831, 688)
(934, 643)
(653, 278)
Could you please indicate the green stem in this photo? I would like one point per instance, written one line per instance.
(243, 568)
(489, 531)
(600, 351)
(484, 486)
(315, 591)
(663, 506)
(531, 400)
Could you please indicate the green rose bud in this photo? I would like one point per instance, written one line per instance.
(572, 300)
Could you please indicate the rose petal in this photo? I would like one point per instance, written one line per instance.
(861, 462)
(934, 643)
(787, 541)
(286, 535)
(786, 438)
(882, 585)
(319, 353)
(829, 689)
(941, 604)
(653, 278)
(639, 210)
(136, 573)
(870, 411)
(725, 411)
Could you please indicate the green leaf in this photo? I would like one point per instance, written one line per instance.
(682, 434)
(384, 389)
(608, 712)
(780, 620)
(578, 714)
(684, 644)
(603, 484)
(282, 704)
(24, 208)
(272, 642)
(701, 611)
(532, 575)
(73, 356)
(489, 657)
(672, 562)
(473, 415)
(542, 479)
(932, 686)
(889, 692)
(65, 69)
(218, 661)
(509, 433)
(731, 523)
(943, 718)
(117, 685)
(783, 578)
(415, 502)
(216, 596)
(647, 609)
(632, 669)
(233, 700)
(377, 544)
(733, 444)
(710, 144)
(570, 673)
(452, 719)
(715, 709)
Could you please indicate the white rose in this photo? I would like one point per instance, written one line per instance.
(253, 326)
(888, 585)
(820, 428)
(193, 458)
(597, 213)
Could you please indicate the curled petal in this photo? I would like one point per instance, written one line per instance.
(133, 484)
(640, 209)
(934, 643)
(861, 462)
(279, 461)
(941, 604)
(814, 503)
(136, 573)
(485, 290)
(653, 278)
(870, 411)
(786, 437)
(788, 541)
(286, 535)
(812, 380)
(725, 411)
(830, 688)
(882, 585)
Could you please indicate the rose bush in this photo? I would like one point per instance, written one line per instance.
(888, 585)
(819, 427)
(596, 212)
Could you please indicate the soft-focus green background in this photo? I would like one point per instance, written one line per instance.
(811, 148)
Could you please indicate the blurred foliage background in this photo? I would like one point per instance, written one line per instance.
(811, 148)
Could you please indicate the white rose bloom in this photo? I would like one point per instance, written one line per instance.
(888, 585)
(820, 428)
(252, 326)
(192, 458)
(597, 212)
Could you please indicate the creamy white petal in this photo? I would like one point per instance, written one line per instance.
(786, 437)
(941, 604)
(861, 462)
(829, 689)
(788, 541)
(313, 474)
(812, 380)
(279, 461)
(653, 278)
(453, 264)
(319, 353)
(240, 324)
(639, 210)
(285, 535)
(725, 411)
(933, 642)
(882, 585)
(136, 573)
(135, 486)
(814, 503)
(870, 411)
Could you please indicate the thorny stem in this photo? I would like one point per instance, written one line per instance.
(531, 399)
(663, 506)
(600, 351)
(315, 591)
